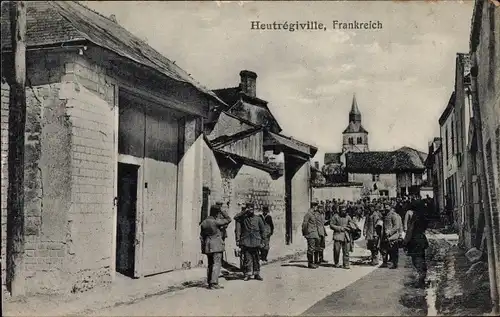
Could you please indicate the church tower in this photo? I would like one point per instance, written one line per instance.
(355, 137)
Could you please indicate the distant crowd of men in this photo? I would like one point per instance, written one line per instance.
(390, 224)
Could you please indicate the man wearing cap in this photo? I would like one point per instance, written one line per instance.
(311, 233)
(212, 243)
(268, 232)
(223, 228)
(249, 237)
(341, 224)
(320, 218)
(371, 233)
(391, 234)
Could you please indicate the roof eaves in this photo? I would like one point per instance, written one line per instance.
(448, 109)
(191, 81)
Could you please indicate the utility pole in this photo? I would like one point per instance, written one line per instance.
(17, 123)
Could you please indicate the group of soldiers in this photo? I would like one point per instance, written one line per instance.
(253, 232)
(390, 224)
(345, 231)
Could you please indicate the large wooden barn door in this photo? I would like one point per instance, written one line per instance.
(160, 207)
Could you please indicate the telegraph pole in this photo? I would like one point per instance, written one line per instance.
(17, 124)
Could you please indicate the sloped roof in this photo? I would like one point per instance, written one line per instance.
(274, 171)
(355, 128)
(448, 109)
(57, 22)
(402, 160)
(354, 106)
(294, 144)
(332, 158)
(229, 95)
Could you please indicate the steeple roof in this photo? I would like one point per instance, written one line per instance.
(354, 106)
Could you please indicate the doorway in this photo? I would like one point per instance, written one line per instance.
(126, 218)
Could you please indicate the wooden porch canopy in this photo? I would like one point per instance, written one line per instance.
(238, 161)
(281, 143)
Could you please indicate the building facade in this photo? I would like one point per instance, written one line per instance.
(113, 169)
(448, 128)
(434, 165)
(485, 87)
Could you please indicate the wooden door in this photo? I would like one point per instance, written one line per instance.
(160, 194)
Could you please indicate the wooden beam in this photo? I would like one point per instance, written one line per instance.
(17, 124)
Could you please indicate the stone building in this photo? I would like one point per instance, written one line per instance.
(448, 130)
(485, 86)
(251, 161)
(113, 170)
(434, 166)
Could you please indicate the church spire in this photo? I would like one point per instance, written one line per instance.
(354, 114)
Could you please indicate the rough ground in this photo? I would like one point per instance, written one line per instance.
(289, 288)
(383, 292)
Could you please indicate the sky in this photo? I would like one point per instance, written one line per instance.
(402, 74)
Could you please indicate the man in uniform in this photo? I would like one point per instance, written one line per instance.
(319, 254)
(371, 234)
(392, 233)
(341, 224)
(268, 232)
(212, 243)
(415, 242)
(249, 237)
(310, 231)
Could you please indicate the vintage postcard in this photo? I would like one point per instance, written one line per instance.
(250, 158)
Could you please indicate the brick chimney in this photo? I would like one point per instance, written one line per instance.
(248, 82)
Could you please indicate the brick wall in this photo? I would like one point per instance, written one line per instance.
(68, 175)
(4, 171)
(90, 223)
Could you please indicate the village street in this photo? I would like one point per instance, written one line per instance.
(289, 288)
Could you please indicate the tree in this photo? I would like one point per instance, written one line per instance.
(334, 173)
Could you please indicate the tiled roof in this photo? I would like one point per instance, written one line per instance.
(403, 160)
(57, 22)
(354, 128)
(332, 158)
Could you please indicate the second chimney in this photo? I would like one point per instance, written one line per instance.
(249, 82)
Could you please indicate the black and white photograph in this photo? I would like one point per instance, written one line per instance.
(250, 158)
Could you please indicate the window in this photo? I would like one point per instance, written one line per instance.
(384, 193)
(375, 177)
(359, 140)
(351, 141)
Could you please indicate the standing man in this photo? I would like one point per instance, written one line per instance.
(212, 243)
(340, 224)
(268, 232)
(371, 234)
(310, 231)
(249, 237)
(415, 243)
(319, 254)
(392, 233)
